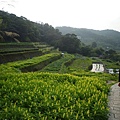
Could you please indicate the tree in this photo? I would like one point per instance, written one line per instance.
(85, 50)
(69, 43)
(94, 44)
(111, 54)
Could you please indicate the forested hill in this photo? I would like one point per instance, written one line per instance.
(20, 29)
(103, 38)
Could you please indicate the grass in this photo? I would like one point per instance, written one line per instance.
(80, 64)
(25, 63)
(58, 65)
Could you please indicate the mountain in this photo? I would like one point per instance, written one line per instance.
(104, 38)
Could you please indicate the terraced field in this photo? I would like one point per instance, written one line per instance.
(60, 65)
(21, 51)
(59, 90)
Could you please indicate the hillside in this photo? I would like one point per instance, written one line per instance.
(103, 38)
(20, 29)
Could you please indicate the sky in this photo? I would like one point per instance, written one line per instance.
(91, 14)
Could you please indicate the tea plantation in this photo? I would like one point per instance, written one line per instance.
(52, 86)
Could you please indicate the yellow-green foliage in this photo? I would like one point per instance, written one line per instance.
(59, 65)
(80, 64)
(48, 96)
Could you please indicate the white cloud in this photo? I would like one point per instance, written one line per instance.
(94, 14)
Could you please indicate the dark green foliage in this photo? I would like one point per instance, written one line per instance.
(69, 43)
(103, 38)
(94, 44)
(28, 30)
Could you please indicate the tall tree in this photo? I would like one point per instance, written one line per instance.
(94, 44)
(69, 43)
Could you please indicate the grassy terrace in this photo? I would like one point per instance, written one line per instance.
(59, 65)
(29, 62)
(22, 51)
(40, 44)
(16, 45)
(13, 50)
(81, 63)
(23, 46)
(33, 61)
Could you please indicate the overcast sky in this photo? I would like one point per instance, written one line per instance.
(91, 14)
